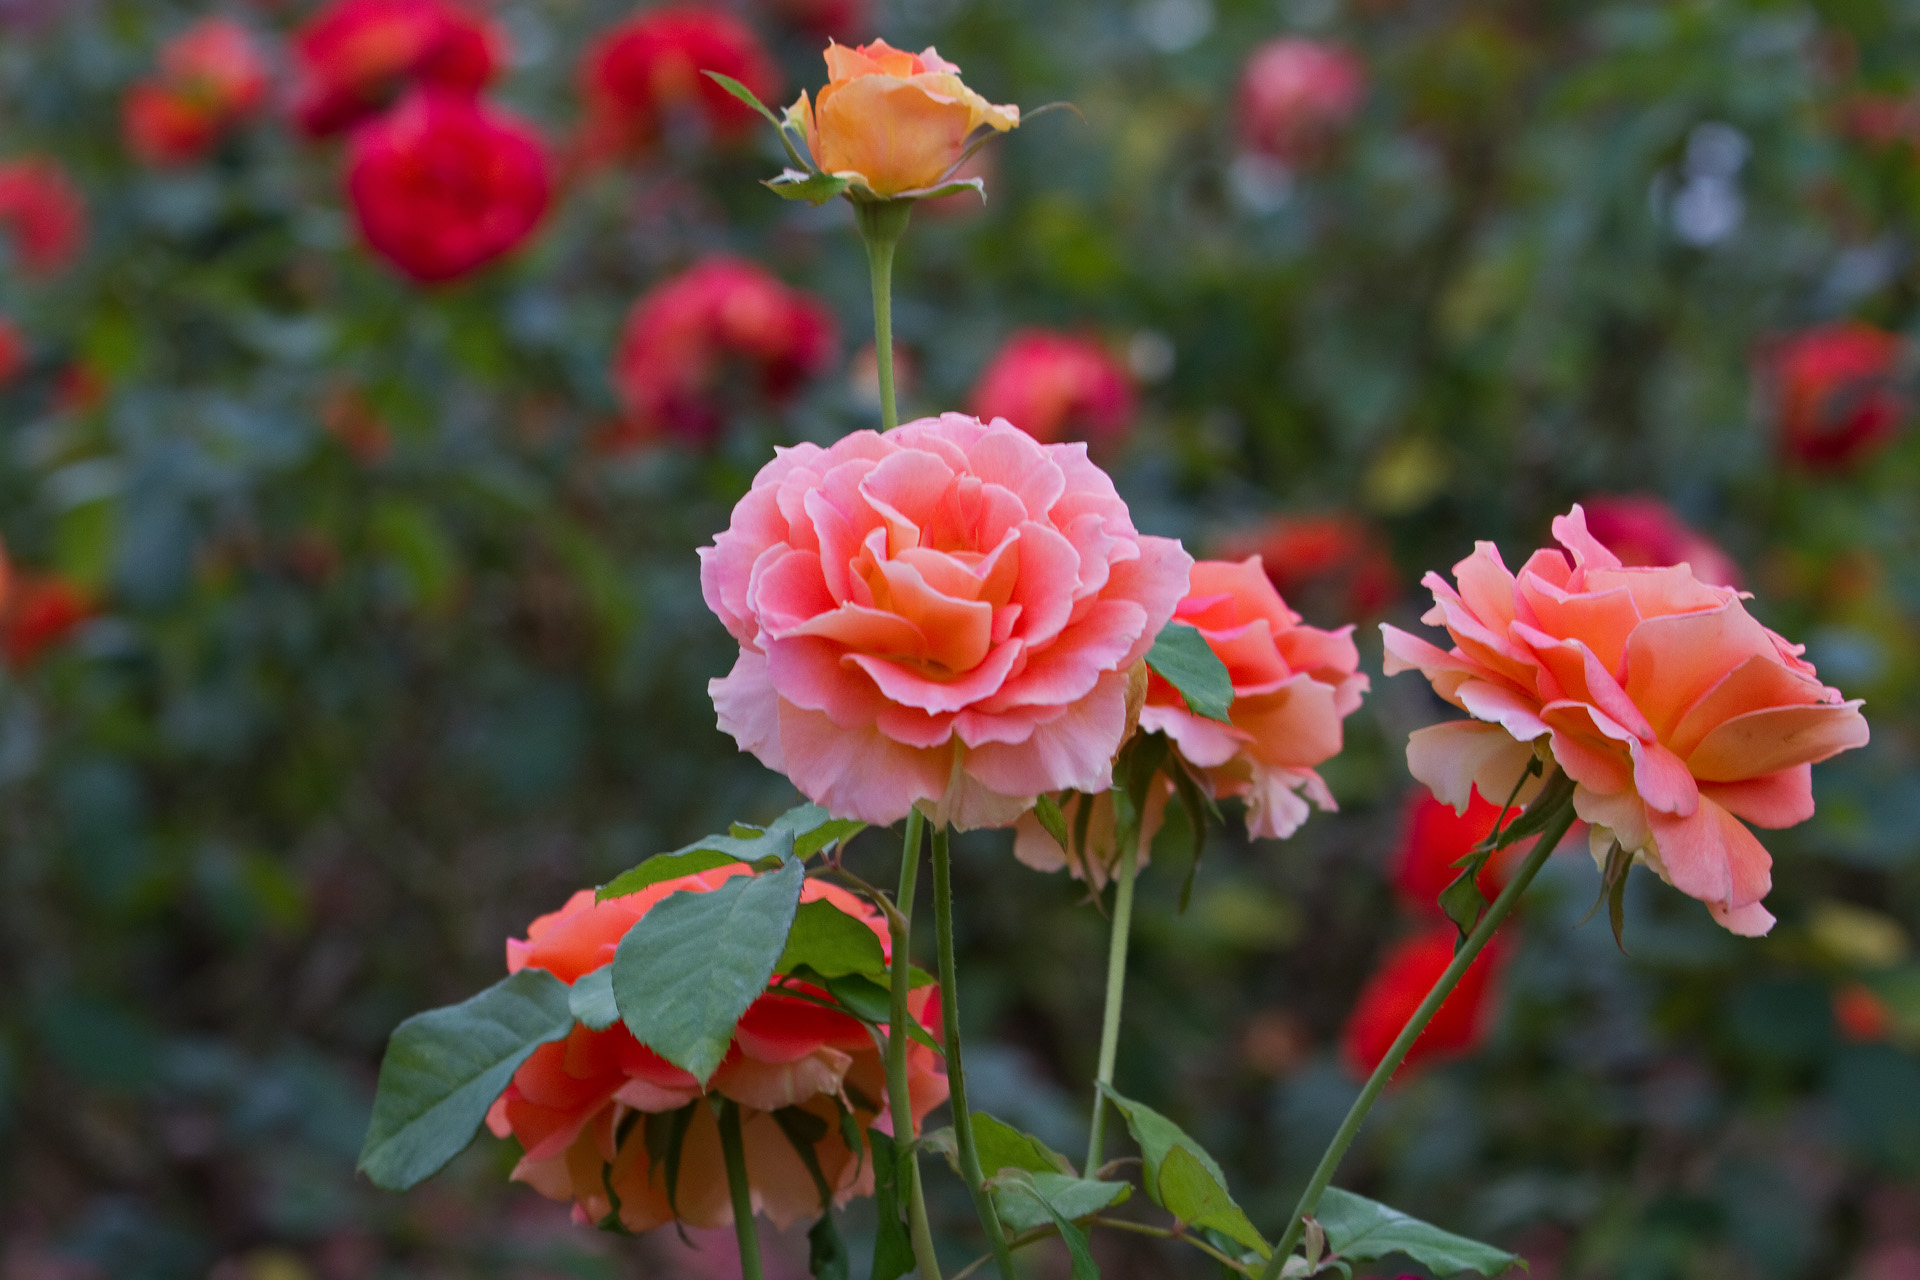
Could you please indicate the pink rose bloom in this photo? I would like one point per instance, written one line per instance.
(942, 616)
(1296, 95)
(1676, 713)
(1645, 532)
(1058, 386)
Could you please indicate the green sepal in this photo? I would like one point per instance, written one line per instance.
(1047, 810)
(1183, 658)
(815, 188)
(1361, 1230)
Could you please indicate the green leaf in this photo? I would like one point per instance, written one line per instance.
(1462, 899)
(444, 1068)
(892, 1246)
(870, 1002)
(1159, 1137)
(1074, 1197)
(591, 999)
(662, 866)
(744, 94)
(1047, 810)
(832, 944)
(1184, 659)
(688, 969)
(1360, 1230)
(1001, 1146)
(815, 188)
(827, 1256)
(814, 829)
(1019, 1181)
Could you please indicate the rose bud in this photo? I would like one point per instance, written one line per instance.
(1057, 387)
(445, 184)
(648, 71)
(1835, 395)
(1645, 532)
(1295, 97)
(211, 76)
(1407, 973)
(42, 213)
(689, 338)
(583, 1108)
(894, 123)
(356, 57)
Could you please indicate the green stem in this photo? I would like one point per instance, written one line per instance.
(881, 224)
(1556, 798)
(735, 1152)
(956, 1070)
(899, 1100)
(1126, 842)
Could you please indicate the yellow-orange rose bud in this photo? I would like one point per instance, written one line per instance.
(895, 122)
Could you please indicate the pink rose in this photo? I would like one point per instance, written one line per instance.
(1676, 713)
(944, 615)
(1296, 95)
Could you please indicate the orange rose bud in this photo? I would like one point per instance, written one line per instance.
(895, 123)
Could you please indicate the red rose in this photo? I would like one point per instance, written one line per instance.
(1056, 387)
(1295, 96)
(1333, 565)
(357, 56)
(446, 183)
(1645, 532)
(1835, 394)
(1406, 974)
(210, 77)
(647, 70)
(40, 612)
(13, 351)
(1437, 838)
(42, 212)
(685, 335)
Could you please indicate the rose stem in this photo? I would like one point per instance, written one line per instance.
(1126, 841)
(882, 223)
(956, 1070)
(736, 1156)
(899, 1102)
(1556, 799)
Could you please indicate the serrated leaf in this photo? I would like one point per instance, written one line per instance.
(1360, 1230)
(590, 999)
(1020, 1182)
(444, 1068)
(1196, 1195)
(814, 829)
(1159, 1137)
(831, 943)
(688, 969)
(892, 1246)
(1047, 811)
(1183, 658)
(815, 188)
(1074, 1197)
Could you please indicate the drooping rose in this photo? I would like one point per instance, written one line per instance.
(1645, 533)
(1333, 560)
(592, 1111)
(356, 57)
(1296, 95)
(690, 339)
(1058, 387)
(40, 611)
(1406, 974)
(42, 213)
(893, 122)
(13, 351)
(945, 615)
(446, 183)
(650, 69)
(1092, 852)
(1678, 715)
(1835, 395)
(211, 76)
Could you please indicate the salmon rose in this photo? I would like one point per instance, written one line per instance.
(895, 123)
(599, 1110)
(1679, 717)
(943, 616)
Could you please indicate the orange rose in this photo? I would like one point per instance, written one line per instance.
(895, 123)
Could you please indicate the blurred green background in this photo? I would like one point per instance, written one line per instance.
(343, 716)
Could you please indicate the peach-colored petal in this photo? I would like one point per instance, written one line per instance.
(892, 134)
(1451, 758)
(857, 773)
(1776, 800)
(1774, 738)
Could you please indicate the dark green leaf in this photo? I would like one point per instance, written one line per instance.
(1198, 807)
(662, 866)
(1019, 1181)
(1047, 810)
(1462, 900)
(688, 969)
(1545, 807)
(1360, 1230)
(444, 1068)
(815, 188)
(1159, 1137)
(827, 1256)
(870, 1002)
(591, 999)
(814, 829)
(832, 944)
(1184, 659)
(892, 1246)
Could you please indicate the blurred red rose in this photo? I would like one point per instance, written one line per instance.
(445, 184)
(42, 212)
(647, 71)
(79, 388)
(845, 21)
(39, 612)
(1056, 387)
(13, 351)
(1437, 837)
(1296, 95)
(1645, 533)
(688, 338)
(211, 76)
(1835, 394)
(356, 57)
(1406, 974)
(1333, 565)
(1881, 119)
(1861, 1014)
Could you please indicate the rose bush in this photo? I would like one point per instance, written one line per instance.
(211, 76)
(43, 214)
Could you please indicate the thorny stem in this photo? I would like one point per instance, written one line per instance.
(882, 223)
(1126, 842)
(735, 1152)
(899, 1101)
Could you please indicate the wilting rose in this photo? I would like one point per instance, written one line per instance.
(356, 57)
(211, 76)
(1334, 561)
(1296, 95)
(40, 611)
(893, 122)
(1436, 838)
(1406, 974)
(1058, 387)
(445, 184)
(573, 1105)
(1835, 394)
(42, 213)
(1676, 713)
(1645, 533)
(945, 615)
(13, 351)
(643, 73)
(690, 339)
